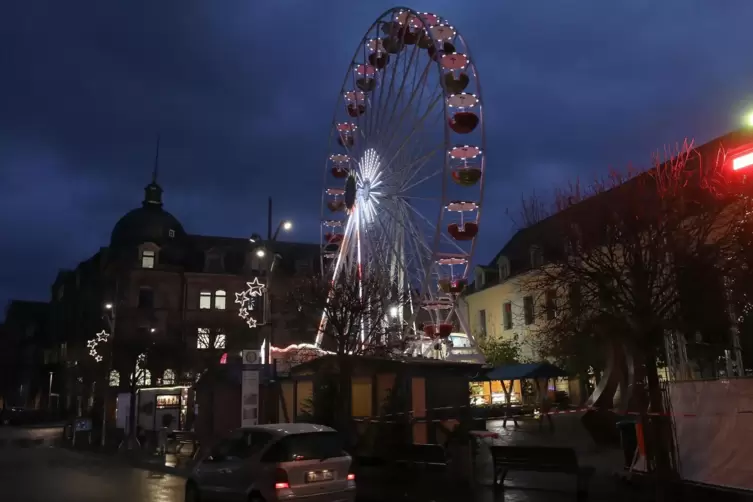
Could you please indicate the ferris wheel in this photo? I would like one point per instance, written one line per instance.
(403, 180)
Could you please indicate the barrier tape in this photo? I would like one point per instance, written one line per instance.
(412, 415)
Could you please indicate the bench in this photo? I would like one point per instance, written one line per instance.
(539, 459)
(426, 456)
(182, 438)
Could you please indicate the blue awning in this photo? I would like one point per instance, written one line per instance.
(522, 372)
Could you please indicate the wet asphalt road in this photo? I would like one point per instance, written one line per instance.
(30, 472)
(34, 469)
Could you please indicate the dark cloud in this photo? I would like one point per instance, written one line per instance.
(243, 94)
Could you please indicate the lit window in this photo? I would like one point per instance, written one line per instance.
(207, 340)
(205, 300)
(147, 258)
(219, 299)
(219, 341)
(144, 377)
(114, 378)
(168, 377)
(171, 233)
(202, 338)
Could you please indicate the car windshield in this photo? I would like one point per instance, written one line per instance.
(308, 446)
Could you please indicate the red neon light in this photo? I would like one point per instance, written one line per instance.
(742, 161)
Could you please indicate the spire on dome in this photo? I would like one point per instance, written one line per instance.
(153, 192)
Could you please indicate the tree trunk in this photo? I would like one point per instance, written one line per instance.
(344, 398)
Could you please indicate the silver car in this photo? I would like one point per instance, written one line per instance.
(275, 462)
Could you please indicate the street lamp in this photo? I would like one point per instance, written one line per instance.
(110, 317)
(393, 311)
(266, 250)
(748, 120)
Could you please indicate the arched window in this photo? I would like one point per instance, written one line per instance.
(114, 378)
(205, 300)
(219, 299)
(144, 377)
(168, 377)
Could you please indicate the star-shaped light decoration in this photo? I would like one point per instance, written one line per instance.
(241, 298)
(91, 343)
(102, 336)
(98, 358)
(247, 300)
(93, 353)
(255, 288)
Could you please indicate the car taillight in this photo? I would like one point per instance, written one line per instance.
(351, 477)
(281, 479)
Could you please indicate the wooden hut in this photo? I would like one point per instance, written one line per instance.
(408, 400)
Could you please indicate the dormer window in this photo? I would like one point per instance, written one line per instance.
(480, 278)
(213, 262)
(171, 233)
(148, 258)
(504, 267)
(537, 257)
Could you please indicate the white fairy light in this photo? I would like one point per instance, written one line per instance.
(92, 344)
(247, 300)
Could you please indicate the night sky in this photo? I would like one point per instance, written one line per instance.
(242, 93)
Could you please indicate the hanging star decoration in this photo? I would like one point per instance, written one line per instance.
(92, 344)
(247, 301)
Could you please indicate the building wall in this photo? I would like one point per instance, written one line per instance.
(491, 301)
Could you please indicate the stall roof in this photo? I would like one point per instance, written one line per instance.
(523, 371)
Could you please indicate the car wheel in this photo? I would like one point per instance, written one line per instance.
(192, 492)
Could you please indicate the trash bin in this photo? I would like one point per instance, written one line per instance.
(628, 439)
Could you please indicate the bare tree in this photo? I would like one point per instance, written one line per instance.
(619, 262)
(359, 320)
(358, 314)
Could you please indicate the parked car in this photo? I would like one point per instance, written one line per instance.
(275, 462)
(13, 415)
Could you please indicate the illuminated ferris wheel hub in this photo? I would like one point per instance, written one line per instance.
(404, 182)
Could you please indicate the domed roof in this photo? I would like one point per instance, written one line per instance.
(149, 223)
(145, 224)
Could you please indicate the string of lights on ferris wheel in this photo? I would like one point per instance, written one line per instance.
(408, 135)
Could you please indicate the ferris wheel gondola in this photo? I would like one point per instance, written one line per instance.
(403, 181)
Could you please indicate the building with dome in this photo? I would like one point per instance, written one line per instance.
(156, 307)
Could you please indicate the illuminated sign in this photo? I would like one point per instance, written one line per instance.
(742, 161)
(168, 401)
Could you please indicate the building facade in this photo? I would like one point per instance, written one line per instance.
(157, 307)
(500, 302)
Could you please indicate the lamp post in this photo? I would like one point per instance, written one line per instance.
(109, 314)
(266, 251)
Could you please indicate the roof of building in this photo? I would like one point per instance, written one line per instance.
(523, 372)
(543, 234)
